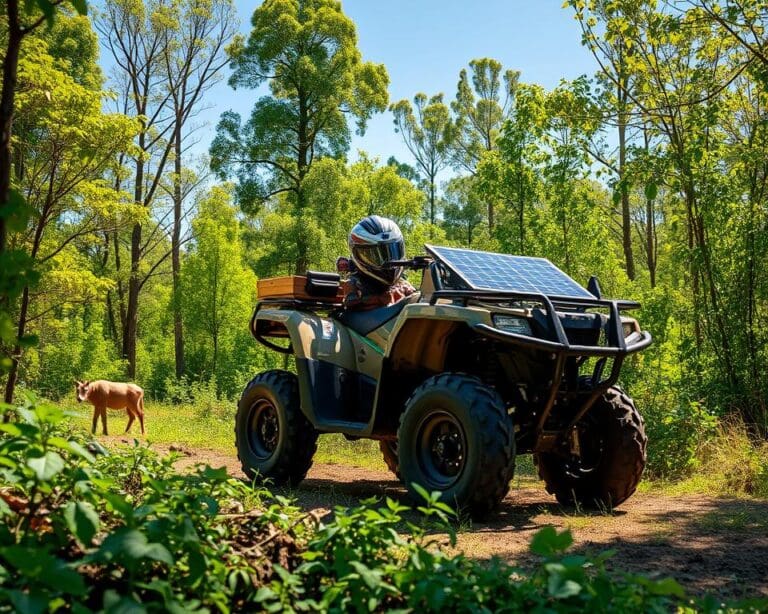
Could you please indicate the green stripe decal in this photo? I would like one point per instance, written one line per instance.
(368, 342)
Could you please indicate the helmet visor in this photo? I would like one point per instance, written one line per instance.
(375, 256)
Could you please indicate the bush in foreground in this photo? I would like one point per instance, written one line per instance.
(126, 533)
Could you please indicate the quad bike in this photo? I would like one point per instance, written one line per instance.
(494, 356)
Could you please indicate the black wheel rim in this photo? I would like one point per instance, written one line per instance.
(264, 429)
(441, 449)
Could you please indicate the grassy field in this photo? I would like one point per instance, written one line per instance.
(183, 426)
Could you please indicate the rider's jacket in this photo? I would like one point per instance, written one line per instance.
(364, 292)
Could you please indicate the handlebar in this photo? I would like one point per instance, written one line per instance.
(417, 263)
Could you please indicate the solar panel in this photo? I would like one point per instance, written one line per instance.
(489, 271)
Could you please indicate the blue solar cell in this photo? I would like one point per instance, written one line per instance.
(489, 271)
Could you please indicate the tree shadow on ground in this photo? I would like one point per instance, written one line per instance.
(716, 545)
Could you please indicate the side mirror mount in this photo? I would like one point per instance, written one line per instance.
(594, 287)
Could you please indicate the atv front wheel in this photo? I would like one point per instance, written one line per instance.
(389, 452)
(612, 456)
(455, 437)
(274, 440)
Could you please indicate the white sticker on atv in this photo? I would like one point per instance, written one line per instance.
(327, 329)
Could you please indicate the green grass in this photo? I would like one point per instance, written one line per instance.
(181, 425)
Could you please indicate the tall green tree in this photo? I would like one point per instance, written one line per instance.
(521, 149)
(690, 75)
(219, 289)
(66, 142)
(462, 210)
(306, 51)
(167, 54)
(427, 132)
(16, 272)
(484, 101)
(194, 57)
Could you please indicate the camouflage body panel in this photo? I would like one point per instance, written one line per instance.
(417, 335)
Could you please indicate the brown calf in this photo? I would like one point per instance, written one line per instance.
(113, 395)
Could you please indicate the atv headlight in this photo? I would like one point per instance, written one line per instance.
(512, 324)
(629, 326)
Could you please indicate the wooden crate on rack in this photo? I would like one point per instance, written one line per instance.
(294, 287)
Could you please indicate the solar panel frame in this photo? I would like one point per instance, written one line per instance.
(472, 267)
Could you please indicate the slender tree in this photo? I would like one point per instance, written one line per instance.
(15, 269)
(167, 53)
(484, 101)
(426, 129)
(306, 50)
(194, 56)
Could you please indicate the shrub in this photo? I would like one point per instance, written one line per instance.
(126, 532)
(733, 461)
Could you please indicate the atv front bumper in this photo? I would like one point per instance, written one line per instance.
(616, 349)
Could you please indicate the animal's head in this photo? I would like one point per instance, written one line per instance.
(83, 389)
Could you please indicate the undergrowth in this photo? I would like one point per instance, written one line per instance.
(83, 529)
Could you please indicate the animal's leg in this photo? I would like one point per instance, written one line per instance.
(95, 419)
(103, 411)
(131, 418)
(140, 412)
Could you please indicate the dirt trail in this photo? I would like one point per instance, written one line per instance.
(709, 544)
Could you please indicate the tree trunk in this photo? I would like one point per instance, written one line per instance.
(521, 208)
(302, 164)
(21, 327)
(178, 329)
(491, 220)
(432, 201)
(130, 330)
(13, 374)
(650, 238)
(10, 66)
(626, 221)
(650, 221)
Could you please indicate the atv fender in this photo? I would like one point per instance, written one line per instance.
(418, 348)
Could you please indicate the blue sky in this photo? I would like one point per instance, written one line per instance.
(425, 43)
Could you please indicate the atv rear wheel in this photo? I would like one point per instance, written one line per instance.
(612, 456)
(456, 437)
(274, 440)
(389, 452)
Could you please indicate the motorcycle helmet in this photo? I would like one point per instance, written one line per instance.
(373, 242)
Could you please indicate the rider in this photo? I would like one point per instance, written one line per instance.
(373, 242)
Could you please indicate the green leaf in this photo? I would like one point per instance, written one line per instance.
(80, 451)
(81, 6)
(16, 211)
(119, 504)
(130, 545)
(217, 475)
(369, 576)
(39, 565)
(115, 603)
(560, 588)
(651, 191)
(548, 542)
(32, 602)
(46, 466)
(82, 520)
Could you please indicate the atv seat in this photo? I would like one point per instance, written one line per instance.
(363, 322)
